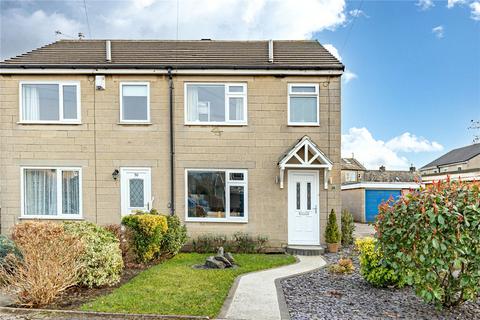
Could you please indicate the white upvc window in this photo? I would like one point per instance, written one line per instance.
(50, 102)
(215, 103)
(135, 102)
(216, 195)
(303, 104)
(350, 176)
(51, 192)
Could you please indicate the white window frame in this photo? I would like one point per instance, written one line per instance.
(126, 121)
(228, 95)
(304, 94)
(59, 214)
(228, 184)
(60, 103)
(124, 187)
(349, 175)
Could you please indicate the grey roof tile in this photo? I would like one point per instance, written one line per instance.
(456, 155)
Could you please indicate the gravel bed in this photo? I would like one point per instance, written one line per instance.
(322, 295)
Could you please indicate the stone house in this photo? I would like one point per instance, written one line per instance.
(352, 170)
(228, 135)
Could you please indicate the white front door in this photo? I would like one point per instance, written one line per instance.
(136, 189)
(303, 215)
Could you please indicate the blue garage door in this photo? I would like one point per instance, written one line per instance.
(373, 198)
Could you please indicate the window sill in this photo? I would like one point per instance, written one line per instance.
(121, 123)
(37, 217)
(304, 125)
(217, 220)
(49, 123)
(216, 124)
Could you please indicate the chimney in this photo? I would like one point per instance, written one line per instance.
(412, 168)
(108, 51)
(270, 51)
(382, 168)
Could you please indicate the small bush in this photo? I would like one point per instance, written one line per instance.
(125, 238)
(332, 235)
(102, 258)
(433, 237)
(175, 237)
(208, 243)
(50, 263)
(343, 266)
(348, 227)
(148, 231)
(371, 267)
(7, 247)
(239, 242)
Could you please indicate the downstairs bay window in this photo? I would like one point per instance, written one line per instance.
(51, 193)
(216, 103)
(216, 195)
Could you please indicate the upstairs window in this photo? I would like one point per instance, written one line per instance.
(216, 103)
(50, 102)
(303, 104)
(135, 102)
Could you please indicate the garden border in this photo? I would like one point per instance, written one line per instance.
(93, 314)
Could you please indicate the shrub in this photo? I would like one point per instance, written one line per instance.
(240, 242)
(7, 247)
(332, 235)
(125, 238)
(51, 263)
(148, 231)
(175, 237)
(371, 267)
(102, 258)
(433, 236)
(348, 227)
(208, 243)
(343, 266)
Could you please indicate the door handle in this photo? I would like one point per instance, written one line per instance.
(316, 207)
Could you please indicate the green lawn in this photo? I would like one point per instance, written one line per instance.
(173, 287)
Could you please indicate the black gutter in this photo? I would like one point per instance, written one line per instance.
(172, 146)
(178, 67)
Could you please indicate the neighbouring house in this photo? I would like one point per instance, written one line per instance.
(352, 170)
(228, 135)
(362, 198)
(462, 163)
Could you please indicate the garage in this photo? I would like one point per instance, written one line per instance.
(362, 199)
(373, 198)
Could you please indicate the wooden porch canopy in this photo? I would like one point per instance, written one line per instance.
(305, 154)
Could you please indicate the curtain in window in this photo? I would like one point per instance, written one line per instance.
(40, 192)
(192, 103)
(70, 192)
(30, 103)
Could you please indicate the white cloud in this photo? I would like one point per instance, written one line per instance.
(331, 48)
(154, 19)
(438, 31)
(453, 3)
(408, 142)
(475, 6)
(425, 4)
(349, 76)
(373, 153)
(358, 13)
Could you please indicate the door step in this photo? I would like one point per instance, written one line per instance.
(305, 250)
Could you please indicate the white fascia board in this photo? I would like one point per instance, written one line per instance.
(174, 71)
(382, 185)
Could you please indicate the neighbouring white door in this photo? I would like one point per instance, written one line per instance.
(303, 215)
(136, 189)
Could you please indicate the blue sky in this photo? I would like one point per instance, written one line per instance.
(413, 67)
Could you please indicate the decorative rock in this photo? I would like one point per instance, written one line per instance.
(230, 258)
(213, 263)
(220, 251)
(224, 260)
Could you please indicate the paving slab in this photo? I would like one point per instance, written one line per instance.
(363, 230)
(254, 295)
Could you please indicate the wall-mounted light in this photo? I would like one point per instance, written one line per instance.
(115, 174)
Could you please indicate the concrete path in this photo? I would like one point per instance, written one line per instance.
(363, 230)
(255, 295)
